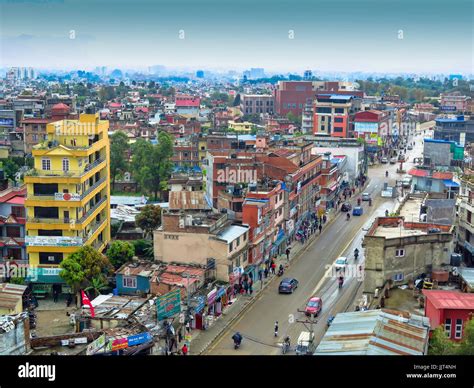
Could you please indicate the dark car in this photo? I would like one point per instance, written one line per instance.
(287, 286)
(346, 207)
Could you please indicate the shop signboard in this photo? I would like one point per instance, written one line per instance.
(139, 339)
(201, 304)
(169, 304)
(119, 343)
(96, 346)
(221, 292)
(49, 241)
(211, 297)
(67, 197)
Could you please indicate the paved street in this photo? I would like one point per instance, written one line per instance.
(340, 238)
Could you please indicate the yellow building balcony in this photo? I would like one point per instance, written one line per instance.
(58, 199)
(67, 223)
(66, 244)
(71, 176)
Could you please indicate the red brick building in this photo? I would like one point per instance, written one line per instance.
(291, 96)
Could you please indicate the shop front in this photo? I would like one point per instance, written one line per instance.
(44, 282)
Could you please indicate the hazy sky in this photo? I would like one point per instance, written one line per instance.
(328, 35)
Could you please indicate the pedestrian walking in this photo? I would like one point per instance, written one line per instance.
(55, 295)
(180, 335)
(184, 350)
(250, 286)
(341, 281)
(320, 227)
(188, 327)
(273, 267)
(260, 275)
(276, 329)
(266, 272)
(324, 218)
(288, 253)
(69, 300)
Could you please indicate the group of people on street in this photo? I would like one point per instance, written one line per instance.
(309, 227)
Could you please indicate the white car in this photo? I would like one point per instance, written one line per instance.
(340, 263)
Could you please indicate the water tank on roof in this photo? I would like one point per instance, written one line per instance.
(456, 259)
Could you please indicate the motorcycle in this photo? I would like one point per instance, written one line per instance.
(237, 338)
(356, 254)
(330, 319)
(281, 270)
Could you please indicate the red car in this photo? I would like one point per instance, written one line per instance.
(314, 306)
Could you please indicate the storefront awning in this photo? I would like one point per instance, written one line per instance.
(450, 183)
(44, 275)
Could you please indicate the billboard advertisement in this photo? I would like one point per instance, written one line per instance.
(169, 304)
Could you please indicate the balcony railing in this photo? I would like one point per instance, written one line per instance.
(67, 220)
(61, 173)
(92, 209)
(49, 197)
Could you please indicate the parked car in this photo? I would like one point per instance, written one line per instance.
(393, 160)
(314, 306)
(384, 160)
(410, 147)
(365, 197)
(358, 211)
(287, 286)
(340, 263)
(346, 207)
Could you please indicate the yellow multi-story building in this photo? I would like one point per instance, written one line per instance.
(68, 192)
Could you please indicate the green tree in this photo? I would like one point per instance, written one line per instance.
(80, 267)
(120, 252)
(10, 168)
(119, 148)
(151, 164)
(294, 118)
(149, 219)
(97, 285)
(440, 344)
(144, 248)
(466, 347)
(236, 100)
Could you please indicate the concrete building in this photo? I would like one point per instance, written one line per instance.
(432, 181)
(454, 103)
(256, 104)
(202, 238)
(12, 224)
(353, 151)
(291, 96)
(442, 153)
(398, 250)
(465, 219)
(14, 335)
(307, 119)
(459, 129)
(331, 115)
(68, 192)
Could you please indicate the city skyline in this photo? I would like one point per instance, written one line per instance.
(339, 36)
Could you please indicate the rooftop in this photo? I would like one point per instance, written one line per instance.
(450, 299)
(375, 332)
(232, 232)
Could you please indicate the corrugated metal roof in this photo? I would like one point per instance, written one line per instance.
(232, 232)
(187, 200)
(375, 332)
